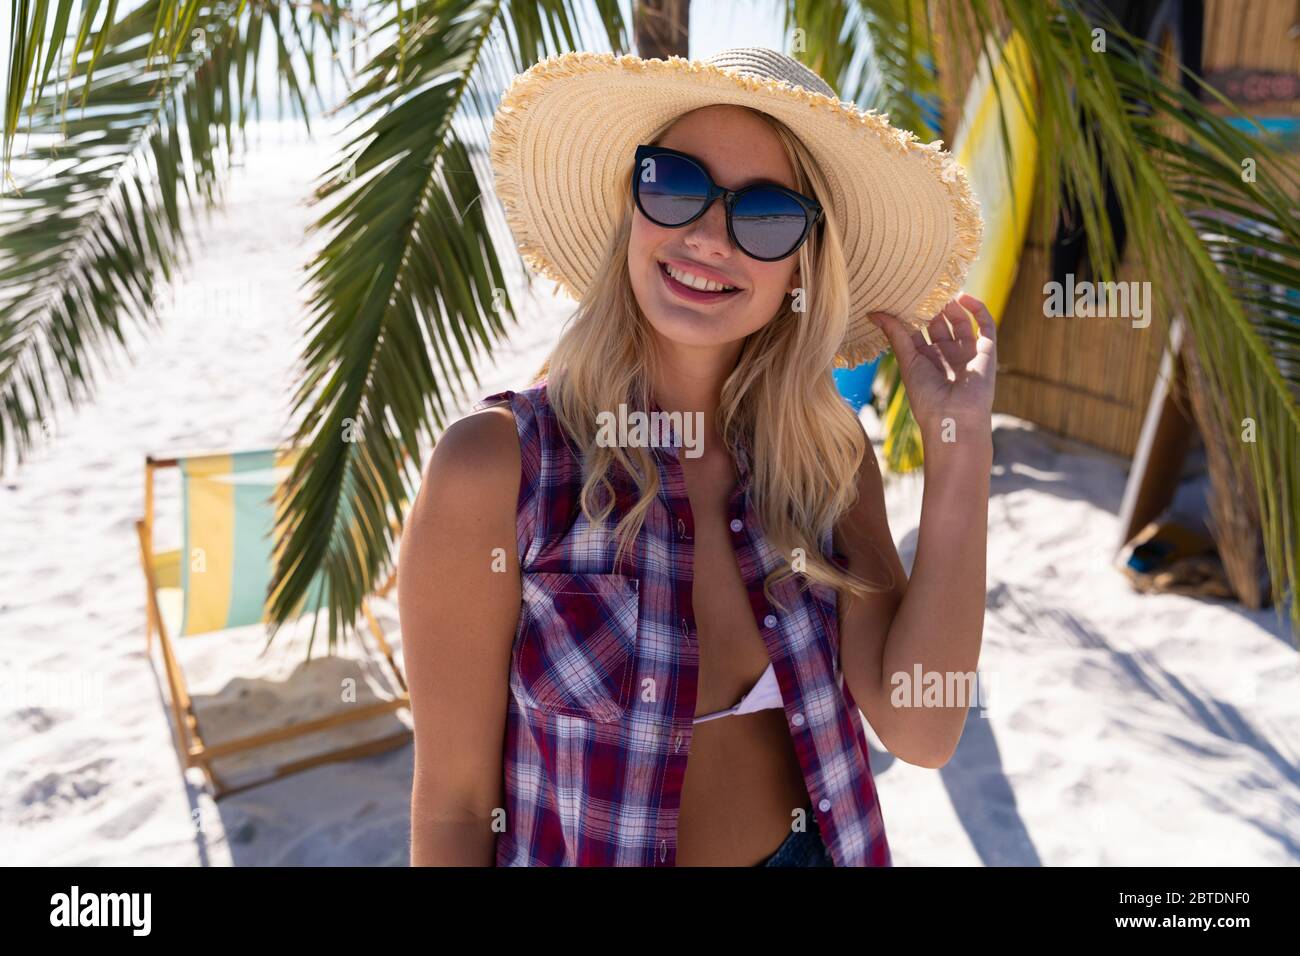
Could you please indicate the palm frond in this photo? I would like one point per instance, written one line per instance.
(95, 221)
(92, 226)
(876, 53)
(39, 35)
(880, 55)
(1176, 167)
(408, 292)
(41, 31)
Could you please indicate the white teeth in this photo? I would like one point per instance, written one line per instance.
(697, 282)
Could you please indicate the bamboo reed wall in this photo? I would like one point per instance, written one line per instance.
(1090, 378)
(1261, 36)
(1252, 56)
(1086, 378)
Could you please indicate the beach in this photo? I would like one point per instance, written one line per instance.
(1118, 729)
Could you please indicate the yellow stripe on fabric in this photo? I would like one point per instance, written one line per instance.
(208, 561)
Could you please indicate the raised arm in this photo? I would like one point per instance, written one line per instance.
(459, 612)
(933, 622)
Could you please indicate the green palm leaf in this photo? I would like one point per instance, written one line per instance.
(38, 37)
(880, 55)
(40, 32)
(93, 222)
(1177, 169)
(408, 292)
(876, 53)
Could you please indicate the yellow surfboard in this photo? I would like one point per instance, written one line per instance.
(1004, 201)
(980, 147)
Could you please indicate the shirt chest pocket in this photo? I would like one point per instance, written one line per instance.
(575, 653)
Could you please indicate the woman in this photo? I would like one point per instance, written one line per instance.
(634, 645)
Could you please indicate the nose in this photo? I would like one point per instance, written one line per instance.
(708, 234)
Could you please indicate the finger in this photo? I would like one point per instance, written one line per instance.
(958, 341)
(957, 352)
(939, 356)
(900, 341)
(988, 328)
(921, 338)
(939, 329)
(963, 328)
(931, 354)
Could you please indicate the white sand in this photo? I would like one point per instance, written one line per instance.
(1121, 729)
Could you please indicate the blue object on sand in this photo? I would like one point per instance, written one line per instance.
(855, 383)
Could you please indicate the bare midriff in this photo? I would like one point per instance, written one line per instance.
(743, 782)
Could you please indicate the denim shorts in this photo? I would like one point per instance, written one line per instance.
(802, 848)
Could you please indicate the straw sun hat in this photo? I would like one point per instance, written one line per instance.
(563, 140)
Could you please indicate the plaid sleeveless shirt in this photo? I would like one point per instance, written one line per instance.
(604, 669)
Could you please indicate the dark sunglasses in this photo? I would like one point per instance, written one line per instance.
(765, 221)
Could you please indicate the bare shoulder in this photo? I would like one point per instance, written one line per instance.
(475, 463)
(469, 492)
(483, 445)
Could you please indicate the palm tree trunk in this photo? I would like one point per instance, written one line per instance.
(662, 28)
(1235, 522)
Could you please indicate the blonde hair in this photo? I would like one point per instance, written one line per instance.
(806, 443)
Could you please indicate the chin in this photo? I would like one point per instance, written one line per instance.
(684, 326)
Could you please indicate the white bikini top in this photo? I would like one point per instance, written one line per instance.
(766, 693)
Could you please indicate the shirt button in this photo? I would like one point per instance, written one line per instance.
(677, 743)
(824, 805)
(769, 621)
(663, 850)
(797, 720)
(681, 529)
(737, 524)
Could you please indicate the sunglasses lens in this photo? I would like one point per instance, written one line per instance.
(768, 223)
(671, 189)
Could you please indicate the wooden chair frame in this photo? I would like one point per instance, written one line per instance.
(194, 752)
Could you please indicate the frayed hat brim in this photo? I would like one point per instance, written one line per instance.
(561, 148)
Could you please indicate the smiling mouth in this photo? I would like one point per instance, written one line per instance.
(691, 293)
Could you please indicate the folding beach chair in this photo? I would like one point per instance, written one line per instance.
(217, 580)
